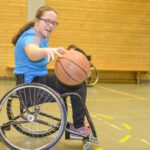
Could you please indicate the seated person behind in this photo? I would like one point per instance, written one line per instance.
(74, 47)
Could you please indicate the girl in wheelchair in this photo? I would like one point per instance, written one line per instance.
(32, 55)
(37, 123)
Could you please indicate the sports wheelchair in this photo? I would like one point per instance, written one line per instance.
(93, 75)
(34, 117)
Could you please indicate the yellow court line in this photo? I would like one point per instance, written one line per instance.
(125, 139)
(105, 116)
(93, 116)
(127, 126)
(107, 122)
(99, 148)
(116, 127)
(122, 93)
(145, 141)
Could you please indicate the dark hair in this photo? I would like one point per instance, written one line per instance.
(72, 46)
(30, 24)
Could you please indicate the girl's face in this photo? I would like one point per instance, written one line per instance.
(47, 23)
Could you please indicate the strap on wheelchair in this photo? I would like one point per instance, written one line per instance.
(19, 79)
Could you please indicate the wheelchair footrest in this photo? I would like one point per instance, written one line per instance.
(71, 136)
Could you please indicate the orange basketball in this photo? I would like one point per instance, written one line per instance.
(72, 68)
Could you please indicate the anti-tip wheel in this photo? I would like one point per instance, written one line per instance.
(86, 145)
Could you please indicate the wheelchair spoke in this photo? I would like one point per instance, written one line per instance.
(42, 94)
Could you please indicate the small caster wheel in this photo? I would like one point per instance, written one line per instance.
(86, 145)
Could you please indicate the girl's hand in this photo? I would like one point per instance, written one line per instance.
(58, 51)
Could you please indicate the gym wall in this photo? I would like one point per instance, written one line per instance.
(12, 16)
(115, 32)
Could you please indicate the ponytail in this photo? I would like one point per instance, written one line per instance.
(21, 30)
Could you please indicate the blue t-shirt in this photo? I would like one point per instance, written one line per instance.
(23, 65)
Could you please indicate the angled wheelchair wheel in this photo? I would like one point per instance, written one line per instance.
(33, 116)
(93, 76)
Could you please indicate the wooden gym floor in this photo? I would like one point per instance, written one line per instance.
(120, 113)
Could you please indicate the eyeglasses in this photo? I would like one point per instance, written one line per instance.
(48, 22)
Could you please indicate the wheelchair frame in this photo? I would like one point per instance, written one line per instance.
(32, 123)
(93, 76)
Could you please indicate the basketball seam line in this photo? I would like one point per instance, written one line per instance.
(77, 65)
(67, 72)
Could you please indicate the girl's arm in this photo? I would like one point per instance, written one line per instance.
(35, 53)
